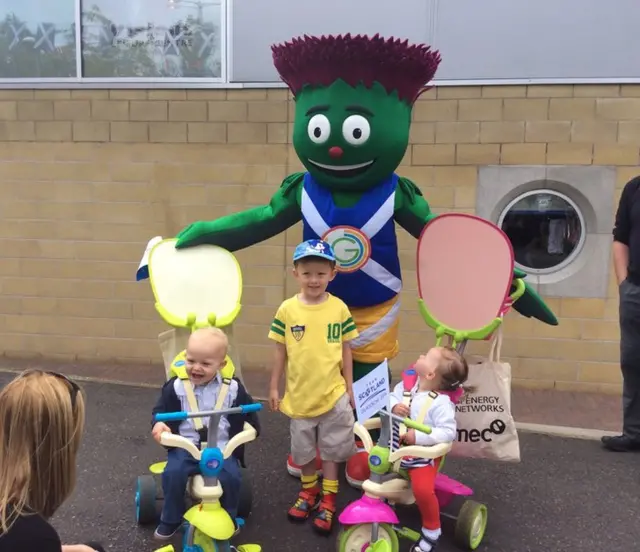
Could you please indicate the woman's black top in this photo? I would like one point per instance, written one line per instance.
(30, 533)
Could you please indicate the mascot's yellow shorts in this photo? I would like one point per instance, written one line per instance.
(378, 328)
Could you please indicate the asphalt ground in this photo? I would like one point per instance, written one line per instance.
(565, 496)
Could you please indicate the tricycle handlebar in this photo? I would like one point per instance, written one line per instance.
(180, 416)
(408, 422)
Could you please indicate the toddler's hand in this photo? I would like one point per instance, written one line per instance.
(274, 400)
(409, 438)
(401, 410)
(159, 429)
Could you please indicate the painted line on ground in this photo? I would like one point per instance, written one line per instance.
(92, 379)
(540, 429)
(563, 431)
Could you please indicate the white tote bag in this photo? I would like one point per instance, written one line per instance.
(486, 429)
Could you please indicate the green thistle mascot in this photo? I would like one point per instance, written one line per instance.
(354, 96)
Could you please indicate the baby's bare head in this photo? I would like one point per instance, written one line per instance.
(447, 368)
(206, 353)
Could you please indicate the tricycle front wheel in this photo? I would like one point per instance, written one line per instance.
(196, 541)
(471, 525)
(357, 537)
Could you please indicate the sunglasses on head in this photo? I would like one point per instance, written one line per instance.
(74, 388)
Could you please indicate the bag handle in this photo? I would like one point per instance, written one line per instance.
(496, 346)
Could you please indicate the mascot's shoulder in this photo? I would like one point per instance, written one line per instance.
(408, 189)
(292, 183)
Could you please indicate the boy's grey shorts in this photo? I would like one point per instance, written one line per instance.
(331, 433)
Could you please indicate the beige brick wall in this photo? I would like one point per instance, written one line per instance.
(88, 176)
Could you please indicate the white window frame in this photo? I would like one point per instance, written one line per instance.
(583, 229)
(222, 82)
(133, 82)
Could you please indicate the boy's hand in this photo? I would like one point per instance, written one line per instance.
(401, 410)
(274, 400)
(159, 429)
(352, 399)
(409, 438)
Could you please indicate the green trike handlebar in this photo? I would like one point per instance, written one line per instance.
(407, 422)
(417, 426)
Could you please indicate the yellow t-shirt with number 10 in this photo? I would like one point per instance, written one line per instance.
(313, 336)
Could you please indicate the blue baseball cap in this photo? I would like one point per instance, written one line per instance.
(314, 248)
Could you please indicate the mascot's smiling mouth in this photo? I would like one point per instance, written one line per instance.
(343, 171)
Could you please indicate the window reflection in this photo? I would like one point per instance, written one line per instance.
(37, 39)
(151, 38)
(545, 230)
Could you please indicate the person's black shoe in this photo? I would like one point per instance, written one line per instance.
(621, 443)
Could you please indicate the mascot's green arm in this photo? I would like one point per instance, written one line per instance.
(412, 212)
(252, 226)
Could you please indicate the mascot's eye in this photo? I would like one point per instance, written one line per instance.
(356, 130)
(319, 129)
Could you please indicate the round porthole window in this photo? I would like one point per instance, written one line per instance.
(546, 229)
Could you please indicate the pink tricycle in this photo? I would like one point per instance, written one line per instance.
(370, 524)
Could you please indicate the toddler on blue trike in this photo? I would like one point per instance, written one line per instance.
(207, 458)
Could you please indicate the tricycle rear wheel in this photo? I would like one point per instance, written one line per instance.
(146, 494)
(245, 503)
(471, 525)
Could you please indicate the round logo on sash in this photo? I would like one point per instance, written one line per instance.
(351, 247)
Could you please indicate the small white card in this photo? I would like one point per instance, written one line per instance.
(143, 268)
(371, 393)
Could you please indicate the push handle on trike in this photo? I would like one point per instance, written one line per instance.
(408, 422)
(180, 416)
(415, 425)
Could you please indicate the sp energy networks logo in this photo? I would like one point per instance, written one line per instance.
(475, 435)
(481, 404)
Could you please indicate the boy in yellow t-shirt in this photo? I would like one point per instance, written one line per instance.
(312, 331)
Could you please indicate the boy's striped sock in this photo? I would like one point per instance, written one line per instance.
(309, 481)
(329, 487)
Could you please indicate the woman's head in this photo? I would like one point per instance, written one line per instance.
(41, 424)
(444, 367)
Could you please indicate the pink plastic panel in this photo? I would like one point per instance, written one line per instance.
(368, 510)
(447, 485)
(465, 269)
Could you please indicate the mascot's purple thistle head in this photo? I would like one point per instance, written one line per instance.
(354, 96)
(357, 60)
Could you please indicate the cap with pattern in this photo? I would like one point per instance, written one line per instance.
(314, 248)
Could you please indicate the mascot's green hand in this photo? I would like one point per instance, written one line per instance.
(194, 234)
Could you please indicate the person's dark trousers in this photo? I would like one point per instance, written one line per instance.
(630, 366)
(180, 466)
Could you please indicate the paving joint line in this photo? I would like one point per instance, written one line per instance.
(590, 434)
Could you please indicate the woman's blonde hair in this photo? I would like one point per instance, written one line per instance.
(41, 424)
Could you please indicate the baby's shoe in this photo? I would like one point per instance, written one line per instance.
(425, 544)
(165, 531)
